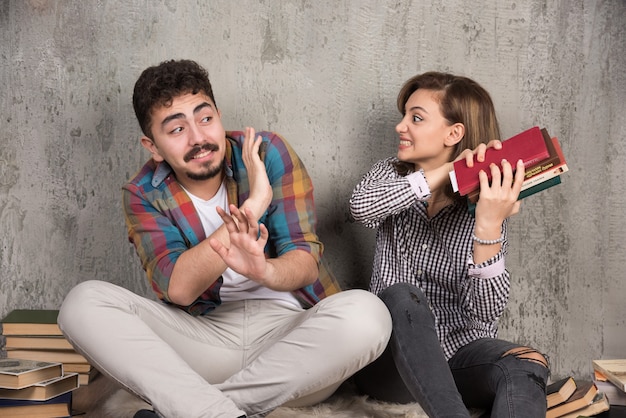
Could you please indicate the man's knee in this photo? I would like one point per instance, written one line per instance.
(79, 301)
(368, 310)
(364, 318)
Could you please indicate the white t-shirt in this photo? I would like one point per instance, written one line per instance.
(235, 286)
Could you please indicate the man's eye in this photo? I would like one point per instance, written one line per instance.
(206, 119)
(176, 130)
(416, 118)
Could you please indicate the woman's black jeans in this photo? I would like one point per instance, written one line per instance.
(480, 375)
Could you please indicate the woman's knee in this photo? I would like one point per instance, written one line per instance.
(528, 354)
(528, 362)
(407, 303)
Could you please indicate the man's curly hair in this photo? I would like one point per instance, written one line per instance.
(158, 85)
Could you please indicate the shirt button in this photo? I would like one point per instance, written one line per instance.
(424, 246)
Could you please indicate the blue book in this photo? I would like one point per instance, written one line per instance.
(59, 406)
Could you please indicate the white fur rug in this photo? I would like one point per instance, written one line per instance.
(345, 403)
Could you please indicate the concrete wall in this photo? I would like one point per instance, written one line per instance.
(325, 74)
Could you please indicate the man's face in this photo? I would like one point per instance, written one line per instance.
(189, 136)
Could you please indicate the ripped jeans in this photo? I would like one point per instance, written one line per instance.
(502, 378)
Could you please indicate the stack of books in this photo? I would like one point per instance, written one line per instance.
(610, 378)
(543, 159)
(35, 389)
(568, 398)
(33, 334)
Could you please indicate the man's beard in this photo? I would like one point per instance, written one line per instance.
(209, 174)
(211, 171)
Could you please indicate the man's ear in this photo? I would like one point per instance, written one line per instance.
(149, 144)
(455, 134)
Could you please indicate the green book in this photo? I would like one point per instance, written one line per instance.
(31, 322)
(471, 207)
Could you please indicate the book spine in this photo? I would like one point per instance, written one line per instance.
(544, 176)
(530, 183)
(471, 206)
(553, 166)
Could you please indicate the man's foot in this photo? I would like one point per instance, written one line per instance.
(145, 413)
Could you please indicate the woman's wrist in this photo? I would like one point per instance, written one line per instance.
(488, 234)
(488, 241)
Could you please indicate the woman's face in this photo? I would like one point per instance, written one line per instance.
(423, 131)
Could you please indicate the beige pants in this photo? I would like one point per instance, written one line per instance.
(244, 357)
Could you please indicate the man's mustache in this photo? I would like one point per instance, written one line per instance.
(198, 149)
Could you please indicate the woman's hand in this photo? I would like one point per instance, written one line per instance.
(499, 199)
(479, 152)
(440, 176)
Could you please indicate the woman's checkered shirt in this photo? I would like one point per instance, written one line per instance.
(434, 254)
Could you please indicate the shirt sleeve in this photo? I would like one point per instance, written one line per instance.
(290, 218)
(159, 242)
(382, 192)
(487, 286)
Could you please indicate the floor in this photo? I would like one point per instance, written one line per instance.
(88, 401)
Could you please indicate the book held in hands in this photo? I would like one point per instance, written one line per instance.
(528, 146)
(543, 159)
(543, 175)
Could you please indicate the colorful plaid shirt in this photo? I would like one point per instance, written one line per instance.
(163, 223)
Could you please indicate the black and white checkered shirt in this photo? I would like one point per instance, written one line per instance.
(434, 254)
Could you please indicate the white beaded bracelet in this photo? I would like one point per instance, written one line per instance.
(488, 241)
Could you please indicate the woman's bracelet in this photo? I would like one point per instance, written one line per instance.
(488, 241)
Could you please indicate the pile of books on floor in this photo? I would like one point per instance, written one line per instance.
(543, 159)
(33, 334)
(35, 389)
(587, 398)
(610, 378)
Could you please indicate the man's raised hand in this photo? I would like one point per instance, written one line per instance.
(260, 189)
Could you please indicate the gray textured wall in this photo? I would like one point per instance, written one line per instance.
(325, 75)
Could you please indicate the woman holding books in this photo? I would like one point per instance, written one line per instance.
(441, 271)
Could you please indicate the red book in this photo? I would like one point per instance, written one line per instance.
(545, 170)
(529, 146)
